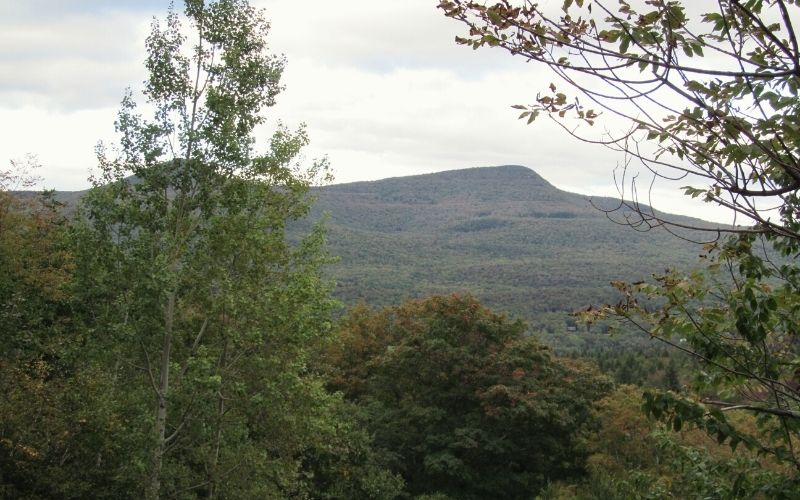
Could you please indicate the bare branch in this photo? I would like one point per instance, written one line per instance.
(726, 406)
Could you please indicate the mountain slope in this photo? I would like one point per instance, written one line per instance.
(502, 233)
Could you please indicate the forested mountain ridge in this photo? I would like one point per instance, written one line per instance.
(502, 233)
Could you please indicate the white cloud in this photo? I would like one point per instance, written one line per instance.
(384, 90)
(71, 63)
(63, 141)
(375, 35)
(68, 84)
(45, 10)
(430, 119)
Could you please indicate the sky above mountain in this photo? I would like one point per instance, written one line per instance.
(381, 85)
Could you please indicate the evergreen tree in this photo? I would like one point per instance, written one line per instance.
(671, 380)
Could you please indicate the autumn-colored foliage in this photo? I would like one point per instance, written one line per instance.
(468, 405)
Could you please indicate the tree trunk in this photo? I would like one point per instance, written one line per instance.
(218, 437)
(154, 485)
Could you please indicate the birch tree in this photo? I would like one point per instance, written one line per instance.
(191, 288)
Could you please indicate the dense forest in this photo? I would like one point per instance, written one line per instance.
(504, 234)
(193, 327)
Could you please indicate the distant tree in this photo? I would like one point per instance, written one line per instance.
(469, 406)
(626, 374)
(35, 265)
(37, 369)
(671, 379)
(633, 458)
(744, 336)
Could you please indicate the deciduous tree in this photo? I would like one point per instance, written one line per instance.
(197, 304)
(468, 406)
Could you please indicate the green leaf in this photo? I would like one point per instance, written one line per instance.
(609, 36)
(624, 44)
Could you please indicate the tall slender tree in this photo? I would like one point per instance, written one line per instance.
(198, 304)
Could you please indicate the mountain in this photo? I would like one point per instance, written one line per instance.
(502, 233)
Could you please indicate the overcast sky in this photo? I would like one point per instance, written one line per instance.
(381, 85)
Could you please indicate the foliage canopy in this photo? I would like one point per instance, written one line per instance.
(190, 315)
(467, 404)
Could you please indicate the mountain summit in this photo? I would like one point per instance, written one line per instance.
(513, 182)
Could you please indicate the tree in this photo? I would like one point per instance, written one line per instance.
(467, 405)
(199, 309)
(633, 458)
(738, 318)
(705, 96)
(671, 379)
(35, 370)
(35, 268)
(711, 97)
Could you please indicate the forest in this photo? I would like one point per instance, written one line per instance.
(177, 330)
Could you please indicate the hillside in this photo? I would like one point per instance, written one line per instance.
(502, 233)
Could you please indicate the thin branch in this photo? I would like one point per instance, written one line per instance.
(195, 345)
(760, 409)
(149, 371)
